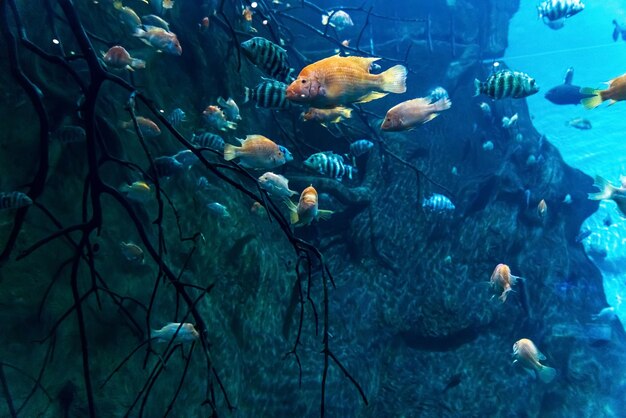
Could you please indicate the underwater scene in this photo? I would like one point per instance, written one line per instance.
(302, 208)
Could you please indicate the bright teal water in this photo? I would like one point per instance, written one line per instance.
(586, 44)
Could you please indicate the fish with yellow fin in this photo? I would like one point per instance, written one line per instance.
(307, 209)
(256, 151)
(340, 80)
(615, 93)
(326, 116)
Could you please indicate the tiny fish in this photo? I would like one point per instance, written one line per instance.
(181, 333)
(486, 109)
(69, 134)
(554, 12)
(218, 210)
(579, 123)
(230, 108)
(506, 83)
(411, 113)
(258, 209)
(542, 208)
(276, 185)
(177, 117)
(567, 199)
(14, 200)
(438, 203)
(147, 127)
(155, 21)
(165, 166)
(204, 23)
(620, 29)
(507, 123)
(215, 118)
(488, 146)
(160, 39)
(269, 94)
(339, 20)
(526, 354)
(502, 280)
(203, 183)
(340, 80)
(268, 57)
(139, 191)
(330, 165)
(361, 147)
(127, 15)
(132, 252)
(186, 157)
(607, 314)
(437, 94)
(307, 209)
(118, 57)
(246, 19)
(256, 151)
(326, 116)
(207, 140)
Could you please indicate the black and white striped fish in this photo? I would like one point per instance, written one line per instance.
(177, 117)
(69, 134)
(330, 165)
(270, 94)
(360, 147)
(14, 200)
(268, 57)
(438, 203)
(554, 12)
(506, 83)
(207, 140)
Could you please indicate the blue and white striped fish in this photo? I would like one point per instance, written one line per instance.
(177, 117)
(360, 147)
(330, 165)
(506, 83)
(207, 140)
(187, 158)
(554, 12)
(14, 200)
(438, 203)
(269, 57)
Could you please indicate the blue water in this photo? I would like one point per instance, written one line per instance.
(586, 44)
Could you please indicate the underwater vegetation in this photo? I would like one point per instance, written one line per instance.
(237, 208)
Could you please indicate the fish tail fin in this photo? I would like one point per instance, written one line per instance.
(591, 102)
(504, 294)
(324, 20)
(231, 125)
(442, 104)
(137, 64)
(606, 189)
(293, 211)
(346, 112)
(324, 214)
(477, 84)
(248, 94)
(546, 374)
(230, 152)
(394, 79)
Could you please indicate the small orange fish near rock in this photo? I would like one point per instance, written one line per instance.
(256, 151)
(146, 126)
(307, 209)
(118, 57)
(503, 280)
(542, 209)
(340, 80)
(325, 116)
(526, 354)
(407, 115)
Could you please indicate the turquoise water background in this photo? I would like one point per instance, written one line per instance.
(586, 44)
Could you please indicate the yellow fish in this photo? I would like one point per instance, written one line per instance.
(256, 151)
(307, 209)
(526, 354)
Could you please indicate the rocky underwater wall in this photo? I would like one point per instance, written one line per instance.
(384, 301)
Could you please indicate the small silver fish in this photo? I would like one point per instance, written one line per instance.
(218, 210)
(185, 332)
(486, 109)
(579, 123)
(14, 200)
(276, 185)
(230, 108)
(132, 252)
(507, 123)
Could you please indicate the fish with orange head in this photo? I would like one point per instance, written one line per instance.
(307, 209)
(528, 356)
(340, 80)
(503, 280)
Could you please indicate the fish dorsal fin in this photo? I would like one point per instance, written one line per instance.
(540, 355)
(371, 96)
(362, 62)
(569, 76)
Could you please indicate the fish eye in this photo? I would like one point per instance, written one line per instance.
(303, 81)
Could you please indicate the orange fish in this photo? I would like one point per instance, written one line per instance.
(407, 115)
(118, 57)
(246, 15)
(542, 208)
(306, 210)
(502, 279)
(342, 80)
(256, 151)
(526, 354)
(325, 116)
(258, 209)
(147, 127)
(615, 93)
